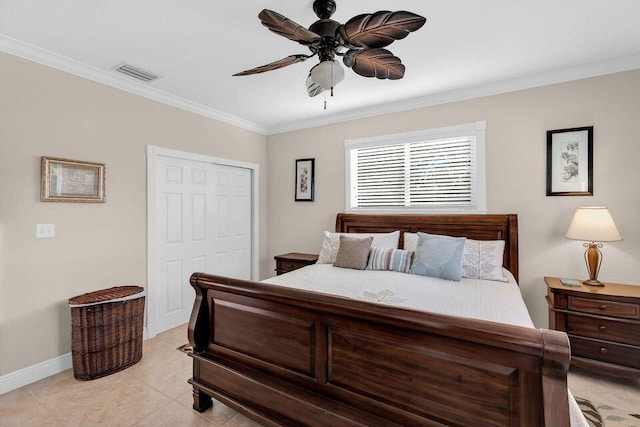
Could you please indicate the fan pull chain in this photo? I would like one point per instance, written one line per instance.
(325, 100)
(331, 78)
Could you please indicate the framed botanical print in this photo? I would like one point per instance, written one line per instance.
(570, 162)
(304, 180)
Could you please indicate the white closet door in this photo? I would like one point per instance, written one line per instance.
(203, 224)
(232, 226)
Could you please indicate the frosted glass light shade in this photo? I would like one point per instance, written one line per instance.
(593, 225)
(313, 88)
(327, 74)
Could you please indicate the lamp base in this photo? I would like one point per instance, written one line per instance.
(592, 283)
(593, 259)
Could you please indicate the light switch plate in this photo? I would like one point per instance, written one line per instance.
(45, 230)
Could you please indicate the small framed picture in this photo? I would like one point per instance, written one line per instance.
(64, 180)
(304, 180)
(570, 162)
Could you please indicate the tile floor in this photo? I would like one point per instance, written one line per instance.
(155, 392)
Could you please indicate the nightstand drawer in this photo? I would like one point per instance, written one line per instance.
(603, 325)
(604, 351)
(608, 330)
(293, 261)
(605, 308)
(289, 265)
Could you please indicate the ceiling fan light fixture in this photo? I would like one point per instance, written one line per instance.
(327, 75)
(364, 36)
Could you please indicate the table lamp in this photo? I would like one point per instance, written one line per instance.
(594, 225)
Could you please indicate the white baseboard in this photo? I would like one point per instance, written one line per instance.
(33, 373)
(39, 371)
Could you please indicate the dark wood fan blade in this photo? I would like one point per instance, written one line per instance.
(379, 63)
(285, 27)
(374, 30)
(291, 59)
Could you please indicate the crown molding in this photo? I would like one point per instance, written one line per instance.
(109, 78)
(494, 88)
(45, 57)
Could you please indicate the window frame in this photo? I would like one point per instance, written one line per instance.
(478, 192)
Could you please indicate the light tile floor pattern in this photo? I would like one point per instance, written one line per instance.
(155, 392)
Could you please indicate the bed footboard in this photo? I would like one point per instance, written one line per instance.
(289, 357)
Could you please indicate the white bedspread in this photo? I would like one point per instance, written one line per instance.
(473, 298)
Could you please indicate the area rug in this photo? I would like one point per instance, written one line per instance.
(185, 348)
(601, 415)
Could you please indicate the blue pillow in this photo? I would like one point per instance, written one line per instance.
(438, 256)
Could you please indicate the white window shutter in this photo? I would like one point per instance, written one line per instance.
(380, 176)
(426, 170)
(440, 173)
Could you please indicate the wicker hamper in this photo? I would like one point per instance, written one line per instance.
(106, 331)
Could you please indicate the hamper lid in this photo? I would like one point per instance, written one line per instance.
(114, 294)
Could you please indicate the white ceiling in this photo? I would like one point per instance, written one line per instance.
(467, 48)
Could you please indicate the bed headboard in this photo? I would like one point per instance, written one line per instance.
(474, 226)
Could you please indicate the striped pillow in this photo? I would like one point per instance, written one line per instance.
(390, 259)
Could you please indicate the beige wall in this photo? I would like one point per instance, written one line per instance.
(516, 174)
(47, 112)
(44, 112)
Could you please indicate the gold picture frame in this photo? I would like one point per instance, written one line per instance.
(64, 180)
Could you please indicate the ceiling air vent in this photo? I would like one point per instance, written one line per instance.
(135, 72)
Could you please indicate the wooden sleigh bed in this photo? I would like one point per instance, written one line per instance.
(288, 357)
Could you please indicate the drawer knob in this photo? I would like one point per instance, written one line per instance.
(603, 350)
(602, 307)
(602, 328)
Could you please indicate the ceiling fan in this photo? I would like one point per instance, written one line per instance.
(360, 42)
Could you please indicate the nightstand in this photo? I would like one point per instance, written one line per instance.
(603, 325)
(293, 261)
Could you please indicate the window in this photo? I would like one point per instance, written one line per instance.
(439, 169)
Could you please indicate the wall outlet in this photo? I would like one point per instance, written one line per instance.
(45, 230)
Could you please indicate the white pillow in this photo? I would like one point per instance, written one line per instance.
(481, 259)
(331, 243)
(330, 246)
(410, 241)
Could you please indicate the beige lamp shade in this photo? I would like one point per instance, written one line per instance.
(593, 224)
